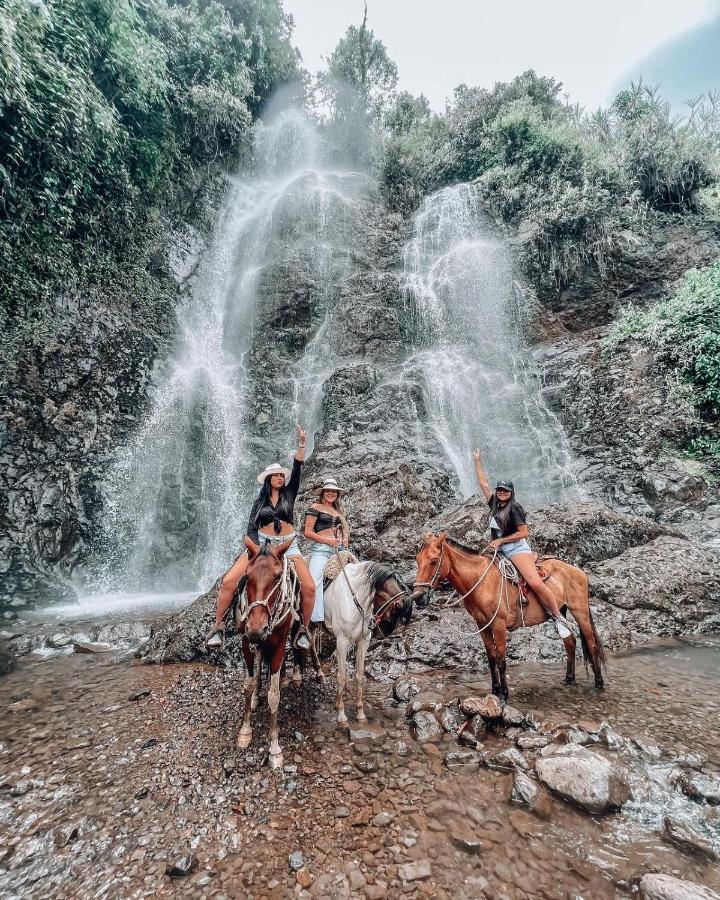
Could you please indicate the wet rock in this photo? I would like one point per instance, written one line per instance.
(464, 839)
(450, 718)
(528, 793)
(122, 634)
(462, 760)
(58, 641)
(666, 887)
(342, 812)
(181, 867)
(90, 647)
(415, 871)
(425, 701)
(404, 689)
(7, 662)
(530, 741)
(507, 760)
(512, 717)
(368, 733)
(139, 695)
(684, 835)
(584, 778)
(609, 738)
(426, 728)
(489, 707)
(296, 860)
(699, 786)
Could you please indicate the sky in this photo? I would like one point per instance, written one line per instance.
(590, 47)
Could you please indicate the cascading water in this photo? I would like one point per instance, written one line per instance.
(468, 331)
(176, 500)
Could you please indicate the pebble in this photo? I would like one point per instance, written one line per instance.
(382, 819)
(415, 871)
(296, 860)
(182, 866)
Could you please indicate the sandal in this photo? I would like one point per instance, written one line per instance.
(216, 637)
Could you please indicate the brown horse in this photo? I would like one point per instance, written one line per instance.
(493, 602)
(264, 619)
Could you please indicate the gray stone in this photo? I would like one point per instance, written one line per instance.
(684, 835)
(462, 760)
(701, 786)
(489, 707)
(415, 871)
(404, 689)
(507, 760)
(584, 778)
(181, 867)
(426, 728)
(532, 741)
(666, 887)
(296, 860)
(528, 792)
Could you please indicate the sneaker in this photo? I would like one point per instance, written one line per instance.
(562, 628)
(216, 637)
(302, 641)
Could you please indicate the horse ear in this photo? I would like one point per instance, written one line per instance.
(282, 549)
(252, 548)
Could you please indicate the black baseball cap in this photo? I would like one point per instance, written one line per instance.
(505, 486)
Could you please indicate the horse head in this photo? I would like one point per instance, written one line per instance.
(433, 568)
(391, 599)
(263, 587)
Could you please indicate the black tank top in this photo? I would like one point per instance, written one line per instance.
(324, 521)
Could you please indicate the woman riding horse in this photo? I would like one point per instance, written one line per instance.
(327, 527)
(271, 522)
(508, 527)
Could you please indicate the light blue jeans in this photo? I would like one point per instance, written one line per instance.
(274, 540)
(319, 559)
(510, 550)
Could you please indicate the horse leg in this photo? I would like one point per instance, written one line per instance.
(275, 758)
(499, 638)
(591, 644)
(245, 734)
(258, 678)
(315, 634)
(492, 664)
(341, 651)
(570, 645)
(360, 651)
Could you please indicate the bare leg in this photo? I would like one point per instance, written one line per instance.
(525, 564)
(360, 651)
(307, 589)
(228, 587)
(341, 653)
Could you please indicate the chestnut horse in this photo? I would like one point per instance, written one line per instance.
(264, 618)
(493, 602)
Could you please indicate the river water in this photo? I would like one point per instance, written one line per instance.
(99, 793)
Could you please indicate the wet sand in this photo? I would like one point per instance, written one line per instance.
(99, 793)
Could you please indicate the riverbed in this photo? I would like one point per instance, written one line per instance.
(113, 772)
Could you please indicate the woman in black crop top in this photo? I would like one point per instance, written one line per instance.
(327, 528)
(271, 521)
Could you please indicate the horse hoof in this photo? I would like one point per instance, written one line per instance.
(275, 760)
(600, 685)
(243, 741)
(569, 681)
(342, 721)
(361, 717)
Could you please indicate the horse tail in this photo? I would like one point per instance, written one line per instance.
(587, 658)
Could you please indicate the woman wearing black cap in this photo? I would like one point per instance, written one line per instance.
(508, 526)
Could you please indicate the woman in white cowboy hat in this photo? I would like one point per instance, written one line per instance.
(271, 521)
(327, 527)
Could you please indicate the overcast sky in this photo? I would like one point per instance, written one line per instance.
(590, 47)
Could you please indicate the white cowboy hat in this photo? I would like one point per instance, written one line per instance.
(273, 469)
(330, 485)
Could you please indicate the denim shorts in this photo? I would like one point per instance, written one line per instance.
(293, 550)
(510, 550)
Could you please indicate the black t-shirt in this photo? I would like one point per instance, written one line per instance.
(515, 516)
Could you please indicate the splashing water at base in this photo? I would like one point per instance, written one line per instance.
(482, 387)
(175, 502)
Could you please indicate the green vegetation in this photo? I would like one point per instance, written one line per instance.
(565, 181)
(109, 109)
(683, 333)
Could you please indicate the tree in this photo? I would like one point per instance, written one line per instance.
(359, 82)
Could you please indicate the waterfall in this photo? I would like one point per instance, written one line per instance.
(470, 350)
(225, 403)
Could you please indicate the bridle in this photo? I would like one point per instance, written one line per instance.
(431, 585)
(286, 584)
(378, 614)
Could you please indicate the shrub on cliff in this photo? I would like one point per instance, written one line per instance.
(684, 334)
(106, 107)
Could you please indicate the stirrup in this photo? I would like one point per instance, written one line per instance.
(302, 639)
(216, 637)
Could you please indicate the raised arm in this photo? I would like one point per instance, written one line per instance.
(300, 452)
(481, 476)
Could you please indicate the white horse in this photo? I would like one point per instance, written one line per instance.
(364, 598)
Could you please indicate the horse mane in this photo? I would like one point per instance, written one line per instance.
(376, 573)
(465, 548)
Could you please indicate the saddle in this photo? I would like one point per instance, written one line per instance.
(334, 565)
(509, 571)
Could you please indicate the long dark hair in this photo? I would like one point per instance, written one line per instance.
(501, 512)
(282, 507)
